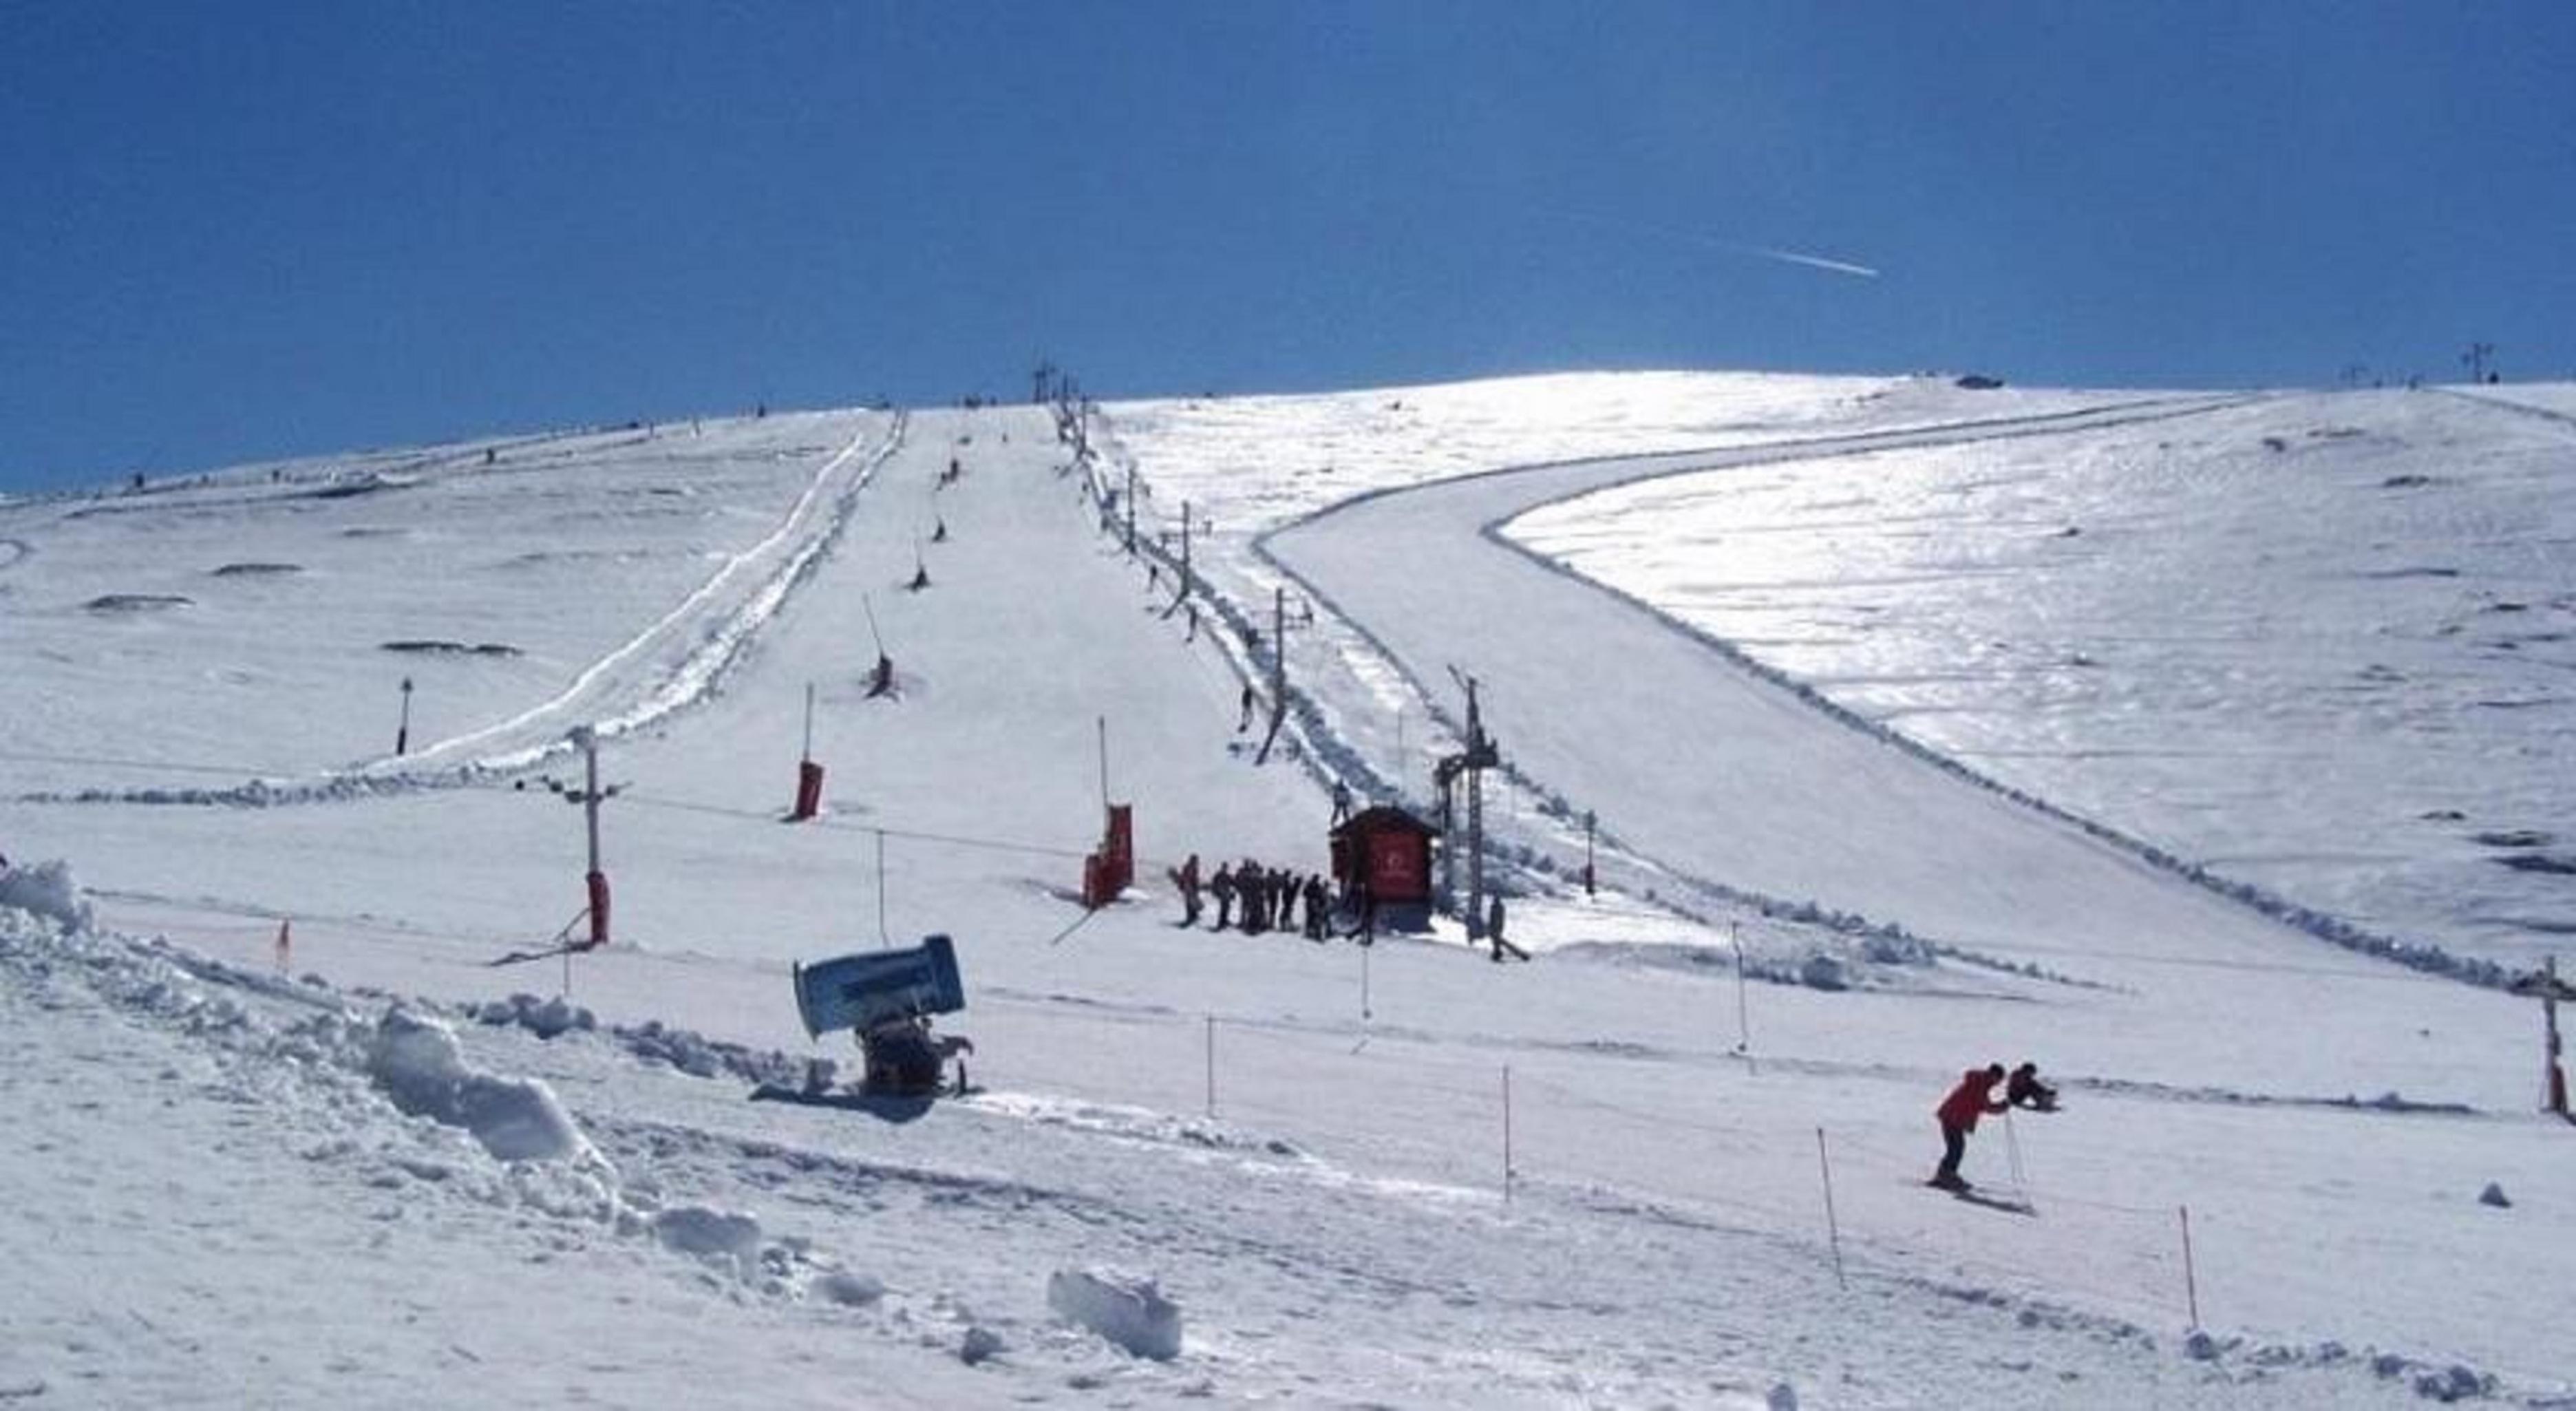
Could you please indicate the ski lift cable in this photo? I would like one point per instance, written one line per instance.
(235, 771)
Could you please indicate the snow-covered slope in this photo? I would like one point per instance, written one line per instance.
(1399, 1176)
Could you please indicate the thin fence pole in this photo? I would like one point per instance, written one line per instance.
(2190, 1280)
(1833, 1228)
(1507, 1132)
(1743, 1007)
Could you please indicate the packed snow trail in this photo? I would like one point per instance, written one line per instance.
(1712, 769)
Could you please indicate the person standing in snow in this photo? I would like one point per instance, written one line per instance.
(2024, 1089)
(1222, 885)
(1243, 721)
(1972, 1098)
(1494, 924)
(1187, 879)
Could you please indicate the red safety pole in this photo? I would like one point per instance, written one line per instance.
(809, 775)
(2549, 1019)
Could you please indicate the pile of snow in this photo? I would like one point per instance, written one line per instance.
(417, 1063)
(1128, 1309)
(46, 889)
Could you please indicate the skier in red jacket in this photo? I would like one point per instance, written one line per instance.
(1973, 1098)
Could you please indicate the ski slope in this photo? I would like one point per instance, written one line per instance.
(1402, 1175)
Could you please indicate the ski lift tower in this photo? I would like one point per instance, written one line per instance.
(1470, 764)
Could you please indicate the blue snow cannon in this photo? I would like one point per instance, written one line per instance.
(886, 998)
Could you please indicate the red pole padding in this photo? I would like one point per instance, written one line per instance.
(598, 908)
(809, 791)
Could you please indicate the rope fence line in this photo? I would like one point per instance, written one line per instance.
(2152, 1275)
(2133, 1272)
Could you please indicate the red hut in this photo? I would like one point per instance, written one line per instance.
(1390, 850)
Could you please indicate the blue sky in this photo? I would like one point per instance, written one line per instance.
(241, 230)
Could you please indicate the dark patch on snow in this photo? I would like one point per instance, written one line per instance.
(2514, 838)
(2558, 864)
(137, 602)
(2422, 571)
(2406, 482)
(445, 648)
(257, 570)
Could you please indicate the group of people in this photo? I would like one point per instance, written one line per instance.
(1257, 899)
(1974, 1097)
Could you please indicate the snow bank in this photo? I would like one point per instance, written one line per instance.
(46, 889)
(417, 1063)
(1125, 1308)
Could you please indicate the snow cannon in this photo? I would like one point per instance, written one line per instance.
(886, 999)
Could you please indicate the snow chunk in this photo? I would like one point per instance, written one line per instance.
(2453, 1383)
(709, 1233)
(850, 1290)
(47, 890)
(979, 1343)
(1824, 972)
(416, 1061)
(2494, 1195)
(545, 1018)
(1125, 1308)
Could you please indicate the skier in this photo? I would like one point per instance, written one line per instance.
(881, 678)
(2024, 1089)
(1244, 721)
(1973, 1098)
(1494, 925)
(1187, 879)
(1222, 884)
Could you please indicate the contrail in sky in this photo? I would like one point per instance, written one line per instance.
(1810, 261)
(1759, 252)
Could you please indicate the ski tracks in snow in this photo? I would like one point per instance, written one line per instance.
(679, 660)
